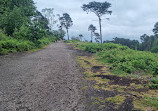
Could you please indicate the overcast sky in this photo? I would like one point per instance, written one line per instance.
(130, 18)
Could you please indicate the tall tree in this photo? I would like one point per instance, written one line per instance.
(98, 9)
(155, 30)
(27, 6)
(80, 36)
(97, 37)
(15, 13)
(92, 29)
(49, 14)
(66, 22)
(12, 20)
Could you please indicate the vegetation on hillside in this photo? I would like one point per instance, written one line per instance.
(148, 43)
(23, 27)
(124, 75)
(122, 59)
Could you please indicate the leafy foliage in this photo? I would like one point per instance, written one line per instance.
(92, 29)
(23, 26)
(123, 58)
(50, 17)
(66, 22)
(155, 30)
(133, 44)
(11, 20)
(99, 9)
(12, 45)
(155, 80)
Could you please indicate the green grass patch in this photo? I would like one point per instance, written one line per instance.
(151, 101)
(116, 100)
(155, 80)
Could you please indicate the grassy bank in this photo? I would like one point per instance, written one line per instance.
(122, 58)
(126, 75)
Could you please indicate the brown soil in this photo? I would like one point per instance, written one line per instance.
(96, 69)
(87, 62)
(79, 52)
(90, 92)
(46, 80)
(94, 98)
(127, 105)
(122, 81)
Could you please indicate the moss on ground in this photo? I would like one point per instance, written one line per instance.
(116, 100)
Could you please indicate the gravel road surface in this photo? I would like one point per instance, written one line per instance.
(46, 80)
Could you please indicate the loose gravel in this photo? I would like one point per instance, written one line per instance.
(46, 80)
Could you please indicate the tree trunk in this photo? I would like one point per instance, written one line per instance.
(91, 38)
(100, 30)
(67, 33)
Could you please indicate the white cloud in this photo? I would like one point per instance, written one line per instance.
(130, 18)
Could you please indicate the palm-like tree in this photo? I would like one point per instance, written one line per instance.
(92, 29)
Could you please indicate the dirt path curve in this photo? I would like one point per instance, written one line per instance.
(46, 80)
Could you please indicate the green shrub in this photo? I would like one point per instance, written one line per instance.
(9, 44)
(52, 38)
(4, 51)
(131, 60)
(155, 80)
(2, 36)
(12, 45)
(43, 41)
(153, 86)
(126, 66)
(154, 49)
(151, 101)
(24, 33)
(122, 58)
(93, 47)
(25, 46)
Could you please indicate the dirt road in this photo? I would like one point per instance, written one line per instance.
(46, 80)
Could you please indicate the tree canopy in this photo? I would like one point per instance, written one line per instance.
(23, 27)
(99, 9)
(155, 30)
(92, 29)
(66, 22)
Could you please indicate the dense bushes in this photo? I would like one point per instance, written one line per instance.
(154, 84)
(24, 27)
(11, 45)
(46, 41)
(130, 60)
(122, 58)
(93, 48)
